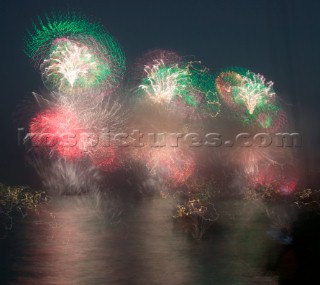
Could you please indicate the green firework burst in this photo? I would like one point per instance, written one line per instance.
(189, 83)
(249, 95)
(51, 40)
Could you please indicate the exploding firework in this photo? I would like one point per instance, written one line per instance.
(75, 55)
(163, 83)
(178, 86)
(243, 88)
(251, 97)
(254, 92)
(75, 129)
(57, 130)
(73, 67)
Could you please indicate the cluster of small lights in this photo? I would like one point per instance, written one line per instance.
(193, 206)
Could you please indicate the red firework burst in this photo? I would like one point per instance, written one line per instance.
(58, 130)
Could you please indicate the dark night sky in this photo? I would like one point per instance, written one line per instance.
(280, 39)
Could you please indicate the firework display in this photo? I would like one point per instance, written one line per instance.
(82, 65)
(74, 55)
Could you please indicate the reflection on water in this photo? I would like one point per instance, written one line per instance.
(76, 241)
